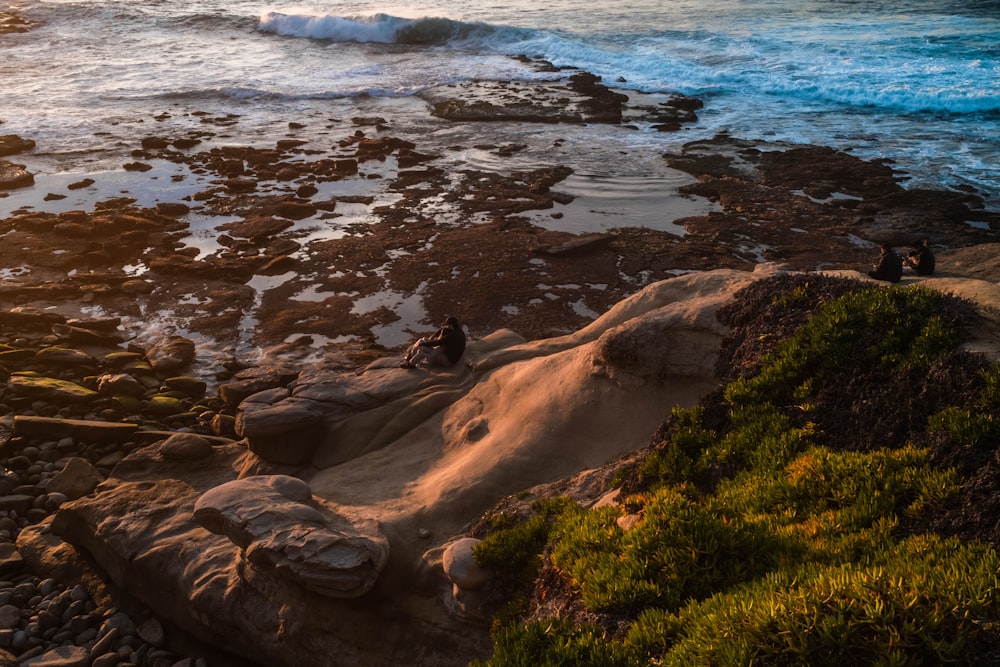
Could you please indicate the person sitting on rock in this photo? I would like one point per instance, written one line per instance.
(442, 349)
(889, 266)
(921, 259)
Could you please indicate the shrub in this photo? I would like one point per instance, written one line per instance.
(922, 602)
(789, 551)
(680, 458)
(853, 490)
(897, 326)
(513, 553)
(554, 643)
(679, 549)
(974, 426)
(762, 437)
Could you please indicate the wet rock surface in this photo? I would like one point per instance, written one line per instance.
(11, 22)
(14, 176)
(460, 241)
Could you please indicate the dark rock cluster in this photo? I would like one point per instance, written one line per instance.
(75, 404)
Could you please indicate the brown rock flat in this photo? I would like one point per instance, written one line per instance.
(437, 241)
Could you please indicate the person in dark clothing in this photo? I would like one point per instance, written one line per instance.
(921, 259)
(444, 348)
(889, 266)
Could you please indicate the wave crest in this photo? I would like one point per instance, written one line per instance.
(378, 28)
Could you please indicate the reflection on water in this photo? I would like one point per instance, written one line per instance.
(165, 182)
(408, 307)
(204, 233)
(602, 203)
(313, 293)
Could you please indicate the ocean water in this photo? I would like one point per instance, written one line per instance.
(913, 81)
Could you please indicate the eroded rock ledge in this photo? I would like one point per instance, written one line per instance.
(325, 556)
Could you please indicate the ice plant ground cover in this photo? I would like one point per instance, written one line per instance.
(810, 512)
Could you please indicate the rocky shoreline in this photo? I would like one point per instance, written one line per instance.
(117, 433)
(75, 405)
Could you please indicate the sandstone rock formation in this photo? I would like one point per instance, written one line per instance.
(248, 542)
(277, 525)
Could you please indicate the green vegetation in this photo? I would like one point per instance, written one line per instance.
(974, 426)
(761, 539)
(513, 553)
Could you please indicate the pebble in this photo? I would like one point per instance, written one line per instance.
(10, 616)
(44, 622)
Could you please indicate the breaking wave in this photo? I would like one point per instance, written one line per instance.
(386, 29)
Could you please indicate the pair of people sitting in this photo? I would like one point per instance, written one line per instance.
(441, 349)
(889, 266)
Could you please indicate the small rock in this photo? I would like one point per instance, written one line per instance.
(79, 185)
(106, 641)
(241, 184)
(61, 656)
(170, 354)
(154, 143)
(119, 383)
(64, 356)
(172, 209)
(151, 632)
(106, 660)
(186, 447)
(16, 502)
(76, 480)
(190, 386)
(10, 617)
(11, 561)
(460, 565)
(164, 405)
(628, 521)
(49, 389)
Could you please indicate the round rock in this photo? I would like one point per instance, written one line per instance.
(186, 447)
(461, 567)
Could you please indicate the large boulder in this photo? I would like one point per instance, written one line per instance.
(11, 144)
(284, 432)
(277, 525)
(269, 585)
